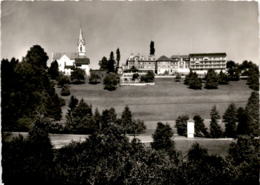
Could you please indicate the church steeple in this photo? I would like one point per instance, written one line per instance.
(81, 44)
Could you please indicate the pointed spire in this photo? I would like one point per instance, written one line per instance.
(80, 35)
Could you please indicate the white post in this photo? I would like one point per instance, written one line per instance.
(190, 129)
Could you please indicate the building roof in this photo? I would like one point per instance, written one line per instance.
(82, 61)
(164, 58)
(71, 55)
(180, 56)
(207, 54)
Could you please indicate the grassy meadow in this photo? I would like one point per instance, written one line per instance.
(166, 100)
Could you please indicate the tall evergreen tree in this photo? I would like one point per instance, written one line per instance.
(126, 119)
(54, 70)
(103, 64)
(181, 125)
(252, 110)
(215, 129)
(152, 49)
(111, 62)
(200, 129)
(230, 120)
(211, 80)
(243, 122)
(118, 56)
(222, 78)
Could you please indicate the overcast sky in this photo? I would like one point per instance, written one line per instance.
(176, 28)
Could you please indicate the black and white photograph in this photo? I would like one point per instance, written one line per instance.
(130, 92)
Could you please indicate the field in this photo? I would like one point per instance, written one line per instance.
(166, 100)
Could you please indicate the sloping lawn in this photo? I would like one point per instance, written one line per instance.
(166, 100)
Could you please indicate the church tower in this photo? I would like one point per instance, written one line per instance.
(81, 45)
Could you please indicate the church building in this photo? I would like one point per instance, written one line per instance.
(68, 61)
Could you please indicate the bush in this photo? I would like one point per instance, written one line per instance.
(77, 76)
(94, 78)
(63, 80)
(111, 81)
(211, 80)
(149, 77)
(65, 91)
(181, 125)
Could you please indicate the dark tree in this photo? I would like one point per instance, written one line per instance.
(252, 110)
(253, 78)
(152, 49)
(63, 80)
(181, 125)
(162, 138)
(200, 129)
(111, 63)
(77, 76)
(193, 81)
(108, 117)
(135, 76)
(126, 119)
(215, 129)
(54, 70)
(103, 63)
(94, 78)
(178, 77)
(222, 78)
(111, 81)
(117, 58)
(230, 120)
(149, 77)
(65, 91)
(211, 80)
(197, 153)
(233, 71)
(73, 102)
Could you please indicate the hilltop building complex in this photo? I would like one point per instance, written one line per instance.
(68, 61)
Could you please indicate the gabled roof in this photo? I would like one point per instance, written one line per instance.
(207, 54)
(71, 55)
(82, 61)
(164, 58)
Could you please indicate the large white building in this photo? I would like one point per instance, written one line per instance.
(68, 61)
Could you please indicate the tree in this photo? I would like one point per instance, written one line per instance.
(126, 119)
(149, 77)
(103, 63)
(230, 119)
(178, 77)
(181, 125)
(243, 122)
(135, 76)
(215, 130)
(211, 80)
(162, 138)
(222, 78)
(37, 57)
(200, 129)
(65, 91)
(108, 117)
(252, 110)
(152, 49)
(63, 80)
(73, 102)
(94, 78)
(111, 63)
(54, 70)
(117, 58)
(253, 78)
(193, 81)
(77, 76)
(111, 81)
(233, 71)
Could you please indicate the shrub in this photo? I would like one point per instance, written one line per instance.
(181, 125)
(111, 81)
(65, 91)
(94, 78)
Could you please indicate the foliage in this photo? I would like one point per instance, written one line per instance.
(178, 77)
(200, 129)
(222, 78)
(211, 80)
(135, 76)
(111, 63)
(63, 80)
(118, 56)
(80, 119)
(103, 64)
(230, 120)
(27, 91)
(181, 125)
(65, 91)
(193, 81)
(73, 102)
(77, 76)
(253, 77)
(111, 81)
(149, 77)
(233, 71)
(252, 110)
(162, 138)
(152, 49)
(94, 78)
(54, 70)
(215, 130)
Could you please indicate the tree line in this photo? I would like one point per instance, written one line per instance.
(237, 121)
(234, 71)
(109, 157)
